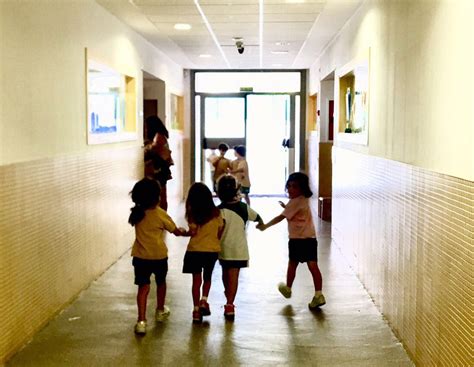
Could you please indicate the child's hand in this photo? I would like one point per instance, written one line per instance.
(261, 226)
(282, 204)
(181, 231)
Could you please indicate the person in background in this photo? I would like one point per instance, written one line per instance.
(302, 244)
(149, 251)
(157, 155)
(221, 164)
(240, 169)
(205, 228)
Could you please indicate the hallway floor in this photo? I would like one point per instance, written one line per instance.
(97, 328)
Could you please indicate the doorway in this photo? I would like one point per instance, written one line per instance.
(261, 109)
(268, 131)
(261, 122)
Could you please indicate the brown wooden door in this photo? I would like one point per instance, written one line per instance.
(331, 120)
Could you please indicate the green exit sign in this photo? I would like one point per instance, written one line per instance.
(246, 89)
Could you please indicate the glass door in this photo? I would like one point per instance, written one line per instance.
(223, 122)
(268, 135)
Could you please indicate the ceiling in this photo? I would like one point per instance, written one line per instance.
(292, 35)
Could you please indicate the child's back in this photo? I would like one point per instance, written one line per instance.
(234, 239)
(149, 243)
(234, 253)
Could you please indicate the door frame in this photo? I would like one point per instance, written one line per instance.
(300, 131)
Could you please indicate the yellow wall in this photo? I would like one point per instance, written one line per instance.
(42, 89)
(409, 235)
(64, 204)
(421, 79)
(407, 228)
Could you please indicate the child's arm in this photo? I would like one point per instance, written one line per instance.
(259, 221)
(274, 221)
(220, 232)
(179, 231)
(190, 232)
(238, 170)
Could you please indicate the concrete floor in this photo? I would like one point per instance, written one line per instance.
(97, 329)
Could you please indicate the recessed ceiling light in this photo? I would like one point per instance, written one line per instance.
(282, 43)
(182, 26)
(205, 56)
(282, 52)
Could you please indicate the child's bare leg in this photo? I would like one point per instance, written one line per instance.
(142, 296)
(196, 288)
(225, 280)
(291, 272)
(206, 286)
(160, 296)
(316, 274)
(232, 284)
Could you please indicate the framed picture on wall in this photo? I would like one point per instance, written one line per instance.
(352, 97)
(111, 104)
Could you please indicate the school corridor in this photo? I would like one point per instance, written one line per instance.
(372, 99)
(97, 328)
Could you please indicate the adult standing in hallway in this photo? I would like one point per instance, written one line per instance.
(157, 155)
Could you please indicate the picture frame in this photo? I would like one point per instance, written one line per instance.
(111, 104)
(352, 96)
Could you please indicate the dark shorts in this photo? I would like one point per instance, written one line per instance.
(245, 190)
(227, 264)
(144, 268)
(197, 261)
(303, 249)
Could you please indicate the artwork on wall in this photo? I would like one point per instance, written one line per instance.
(353, 89)
(176, 112)
(111, 105)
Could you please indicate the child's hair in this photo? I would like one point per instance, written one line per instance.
(302, 181)
(223, 146)
(227, 188)
(153, 126)
(145, 195)
(200, 207)
(241, 150)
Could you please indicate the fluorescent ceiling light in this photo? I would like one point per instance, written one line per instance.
(282, 52)
(209, 28)
(182, 26)
(205, 56)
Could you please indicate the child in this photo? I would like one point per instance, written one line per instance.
(302, 245)
(240, 169)
(149, 251)
(221, 164)
(234, 254)
(205, 228)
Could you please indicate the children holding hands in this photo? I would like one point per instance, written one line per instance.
(215, 233)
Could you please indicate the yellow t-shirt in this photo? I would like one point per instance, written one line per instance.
(220, 164)
(207, 238)
(149, 242)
